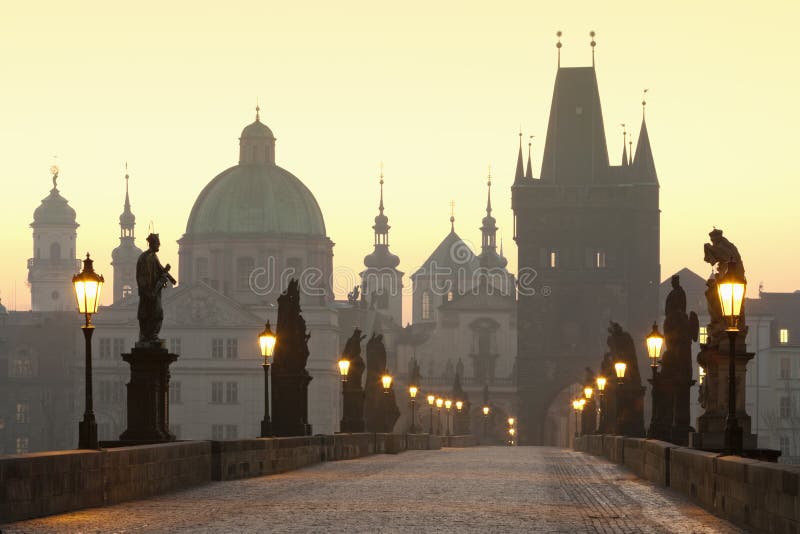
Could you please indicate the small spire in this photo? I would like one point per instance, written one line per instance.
(127, 198)
(489, 193)
(644, 102)
(520, 174)
(630, 150)
(624, 145)
(258, 111)
(558, 46)
(529, 170)
(452, 216)
(501, 245)
(593, 44)
(380, 206)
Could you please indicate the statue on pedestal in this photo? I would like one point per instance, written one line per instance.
(290, 378)
(353, 402)
(629, 396)
(722, 255)
(460, 417)
(380, 406)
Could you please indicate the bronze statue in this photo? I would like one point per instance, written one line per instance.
(152, 278)
(353, 392)
(380, 407)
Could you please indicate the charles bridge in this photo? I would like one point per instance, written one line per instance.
(370, 482)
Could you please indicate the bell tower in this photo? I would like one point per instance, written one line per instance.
(123, 258)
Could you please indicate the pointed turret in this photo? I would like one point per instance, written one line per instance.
(624, 154)
(520, 174)
(643, 162)
(489, 256)
(529, 170)
(380, 256)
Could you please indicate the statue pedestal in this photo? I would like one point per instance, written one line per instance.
(630, 411)
(290, 404)
(710, 433)
(352, 409)
(148, 394)
(661, 417)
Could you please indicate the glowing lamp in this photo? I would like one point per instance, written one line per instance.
(447, 404)
(601, 383)
(266, 340)
(587, 392)
(386, 380)
(654, 343)
(412, 391)
(87, 289)
(485, 410)
(344, 368)
(619, 368)
(459, 405)
(731, 288)
(431, 399)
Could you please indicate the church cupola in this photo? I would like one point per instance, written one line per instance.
(124, 257)
(489, 256)
(53, 264)
(257, 144)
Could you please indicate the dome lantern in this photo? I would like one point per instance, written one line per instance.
(257, 144)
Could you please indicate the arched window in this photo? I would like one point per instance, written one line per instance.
(244, 268)
(426, 306)
(55, 251)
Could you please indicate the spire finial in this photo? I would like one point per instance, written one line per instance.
(54, 170)
(592, 44)
(558, 46)
(630, 151)
(489, 193)
(529, 170)
(380, 206)
(452, 216)
(258, 111)
(644, 102)
(127, 177)
(501, 244)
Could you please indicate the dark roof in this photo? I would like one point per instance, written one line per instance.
(643, 162)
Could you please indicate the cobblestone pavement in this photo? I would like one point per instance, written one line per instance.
(480, 489)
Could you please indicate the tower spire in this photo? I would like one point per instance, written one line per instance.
(624, 145)
(489, 192)
(452, 216)
(593, 44)
(127, 197)
(520, 174)
(529, 169)
(644, 103)
(380, 206)
(630, 149)
(258, 111)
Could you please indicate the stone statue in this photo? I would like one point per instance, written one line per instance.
(352, 296)
(151, 277)
(414, 374)
(353, 393)
(380, 406)
(627, 400)
(622, 347)
(460, 367)
(723, 256)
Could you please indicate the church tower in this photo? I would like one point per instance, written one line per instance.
(381, 282)
(493, 265)
(590, 233)
(53, 264)
(123, 258)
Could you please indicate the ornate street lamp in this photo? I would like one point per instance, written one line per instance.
(601, 392)
(386, 380)
(486, 411)
(731, 290)
(344, 368)
(619, 369)
(88, 285)
(654, 342)
(439, 404)
(431, 399)
(449, 419)
(511, 432)
(266, 340)
(412, 392)
(588, 391)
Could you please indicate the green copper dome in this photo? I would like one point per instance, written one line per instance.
(256, 199)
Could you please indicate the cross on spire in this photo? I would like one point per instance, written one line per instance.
(592, 44)
(558, 46)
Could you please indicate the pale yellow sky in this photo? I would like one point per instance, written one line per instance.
(435, 90)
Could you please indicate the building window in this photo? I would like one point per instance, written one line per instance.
(785, 445)
(127, 291)
(22, 445)
(600, 260)
(426, 306)
(105, 348)
(786, 407)
(784, 335)
(231, 431)
(216, 348)
(244, 268)
(553, 259)
(201, 270)
(232, 392)
(703, 337)
(119, 346)
(23, 412)
(216, 392)
(217, 432)
(55, 251)
(786, 369)
(449, 296)
(175, 392)
(175, 345)
(231, 348)
(21, 368)
(175, 430)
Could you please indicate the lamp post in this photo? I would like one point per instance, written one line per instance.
(344, 369)
(412, 392)
(386, 380)
(439, 404)
(485, 410)
(731, 289)
(601, 392)
(449, 416)
(619, 369)
(458, 425)
(87, 285)
(431, 399)
(511, 433)
(654, 343)
(266, 340)
(575, 405)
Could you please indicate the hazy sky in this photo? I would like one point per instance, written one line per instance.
(435, 90)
